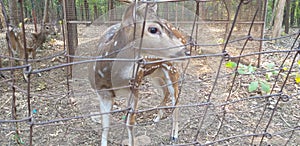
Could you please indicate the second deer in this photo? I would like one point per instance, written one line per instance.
(34, 40)
(151, 41)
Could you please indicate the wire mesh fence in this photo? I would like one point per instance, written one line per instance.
(230, 55)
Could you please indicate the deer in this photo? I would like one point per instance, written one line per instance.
(34, 40)
(152, 41)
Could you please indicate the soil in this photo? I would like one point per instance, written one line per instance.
(65, 110)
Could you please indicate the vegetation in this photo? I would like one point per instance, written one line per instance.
(91, 9)
(294, 12)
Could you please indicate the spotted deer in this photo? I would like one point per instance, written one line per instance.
(34, 40)
(152, 41)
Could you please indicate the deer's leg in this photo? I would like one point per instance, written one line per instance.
(171, 78)
(133, 104)
(33, 52)
(22, 62)
(131, 120)
(164, 92)
(106, 103)
(22, 55)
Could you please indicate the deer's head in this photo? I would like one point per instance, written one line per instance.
(140, 21)
(48, 29)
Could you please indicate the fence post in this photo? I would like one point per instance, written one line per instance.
(70, 31)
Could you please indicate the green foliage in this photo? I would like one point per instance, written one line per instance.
(17, 138)
(243, 69)
(250, 70)
(297, 75)
(123, 117)
(220, 41)
(271, 71)
(264, 86)
(230, 64)
(297, 78)
(297, 11)
(253, 86)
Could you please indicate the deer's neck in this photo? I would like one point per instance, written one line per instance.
(42, 36)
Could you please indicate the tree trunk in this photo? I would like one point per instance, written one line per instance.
(95, 12)
(287, 17)
(278, 19)
(273, 13)
(46, 12)
(110, 7)
(81, 11)
(87, 12)
(293, 13)
(40, 10)
(13, 12)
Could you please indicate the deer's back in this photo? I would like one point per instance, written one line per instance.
(100, 72)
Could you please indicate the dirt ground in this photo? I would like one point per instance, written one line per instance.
(64, 110)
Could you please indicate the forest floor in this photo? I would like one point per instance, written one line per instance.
(63, 108)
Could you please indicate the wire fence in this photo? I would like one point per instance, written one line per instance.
(215, 104)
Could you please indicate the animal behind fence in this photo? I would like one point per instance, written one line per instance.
(142, 36)
(34, 40)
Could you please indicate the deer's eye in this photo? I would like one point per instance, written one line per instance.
(153, 30)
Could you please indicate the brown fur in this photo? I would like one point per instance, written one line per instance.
(121, 41)
(33, 41)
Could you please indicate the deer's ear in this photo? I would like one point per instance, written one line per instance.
(128, 16)
(153, 8)
(136, 13)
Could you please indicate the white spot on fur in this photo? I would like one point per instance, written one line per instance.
(167, 66)
(105, 68)
(100, 73)
(116, 42)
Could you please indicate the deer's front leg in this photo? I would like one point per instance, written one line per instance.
(164, 92)
(133, 104)
(106, 102)
(171, 78)
(131, 120)
(33, 52)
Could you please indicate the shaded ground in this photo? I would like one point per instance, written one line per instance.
(50, 103)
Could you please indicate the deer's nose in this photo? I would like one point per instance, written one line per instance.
(181, 53)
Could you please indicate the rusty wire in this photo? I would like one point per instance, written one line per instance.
(29, 120)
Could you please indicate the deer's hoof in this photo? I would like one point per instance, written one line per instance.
(173, 139)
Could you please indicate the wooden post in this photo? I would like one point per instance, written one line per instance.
(70, 30)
